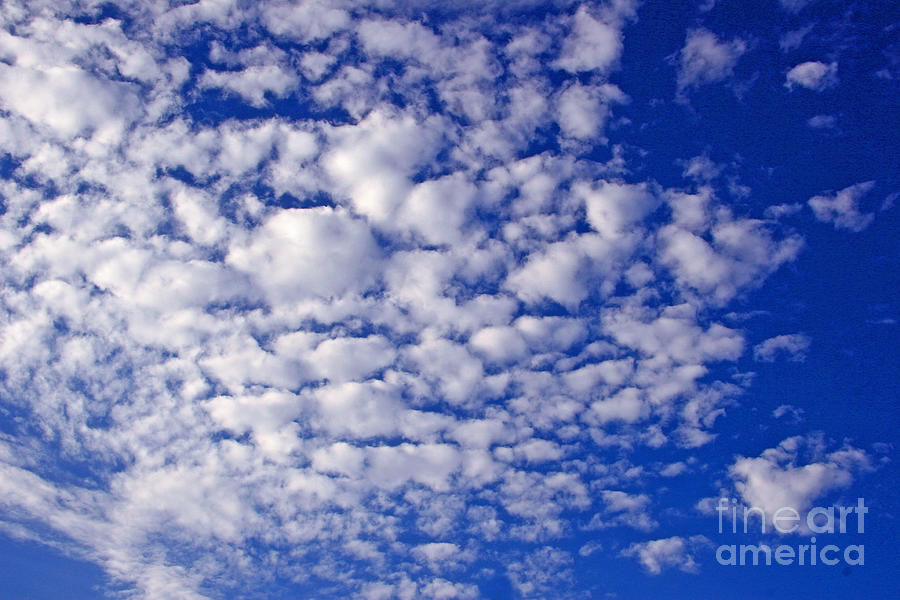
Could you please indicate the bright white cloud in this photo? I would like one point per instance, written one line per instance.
(592, 44)
(284, 258)
(796, 473)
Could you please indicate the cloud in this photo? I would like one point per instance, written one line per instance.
(252, 83)
(613, 209)
(793, 413)
(395, 332)
(812, 75)
(67, 100)
(794, 39)
(791, 346)
(543, 572)
(306, 22)
(283, 257)
(582, 112)
(842, 208)
(592, 45)
(623, 509)
(705, 59)
(780, 477)
(822, 122)
(793, 6)
(666, 553)
(740, 252)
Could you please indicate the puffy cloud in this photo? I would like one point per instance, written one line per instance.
(292, 246)
(740, 254)
(613, 209)
(793, 346)
(68, 100)
(440, 555)
(429, 464)
(346, 359)
(568, 270)
(780, 477)
(674, 336)
(252, 83)
(331, 326)
(623, 509)
(305, 22)
(659, 555)
(627, 406)
(402, 40)
(706, 59)
(842, 208)
(500, 344)
(813, 75)
(582, 110)
(373, 161)
(592, 44)
(341, 458)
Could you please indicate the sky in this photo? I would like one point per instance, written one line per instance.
(447, 300)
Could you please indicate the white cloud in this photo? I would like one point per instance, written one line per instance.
(780, 477)
(813, 75)
(429, 464)
(842, 208)
(346, 359)
(626, 406)
(673, 469)
(793, 413)
(440, 555)
(613, 209)
(592, 44)
(543, 572)
(341, 458)
(582, 110)
(674, 336)
(377, 367)
(792, 346)
(252, 83)
(372, 163)
(741, 254)
(623, 509)
(306, 21)
(286, 256)
(68, 100)
(499, 344)
(659, 555)
(705, 59)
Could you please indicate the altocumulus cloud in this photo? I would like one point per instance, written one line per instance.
(324, 295)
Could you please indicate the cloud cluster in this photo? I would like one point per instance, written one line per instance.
(357, 327)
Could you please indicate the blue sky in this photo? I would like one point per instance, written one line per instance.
(334, 299)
